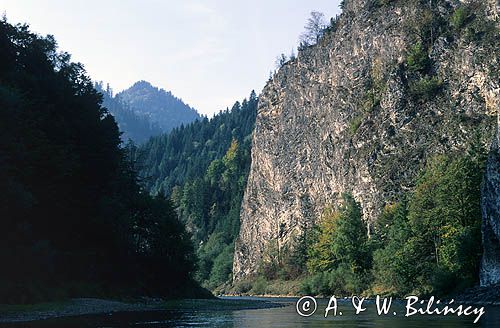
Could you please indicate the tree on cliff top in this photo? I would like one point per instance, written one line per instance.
(314, 29)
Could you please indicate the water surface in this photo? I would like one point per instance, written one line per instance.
(285, 316)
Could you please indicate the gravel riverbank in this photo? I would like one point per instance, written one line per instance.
(89, 306)
(74, 307)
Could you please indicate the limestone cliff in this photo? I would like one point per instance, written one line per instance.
(490, 203)
(349, 115)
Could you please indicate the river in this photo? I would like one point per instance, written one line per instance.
(285, 316)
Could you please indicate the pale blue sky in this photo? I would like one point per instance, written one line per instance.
(209, 53)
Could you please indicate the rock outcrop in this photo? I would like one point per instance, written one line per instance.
(348, 116)
(490, 200)
(490, 203)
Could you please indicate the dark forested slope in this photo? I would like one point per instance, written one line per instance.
(73, 220)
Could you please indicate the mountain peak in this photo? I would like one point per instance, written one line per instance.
(142, 84)
(159, 105)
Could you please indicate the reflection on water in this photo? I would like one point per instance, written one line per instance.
(276, 317)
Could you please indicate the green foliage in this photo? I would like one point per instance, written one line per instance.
(470, 21)
(459, 17)
(375, 89)
(355, 124)
(428, 25)
(482, 30)
(204, 167)
(339, 281)
(242, 286)
(185, 154)
(336, 252)
(287, 262)
(433, 244)
(281, 60)
(426, 87)
(371, 99)
(446, 206)
(222, 267)
(270, 263)
(392, 271)
(422, 83)
(370, 102)
(320, 254)
(427, 243)
(340, 249)
(259, 286)
(72, 213)
(295, 263)
(417, 59)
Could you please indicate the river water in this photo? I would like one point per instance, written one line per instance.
(285, 316)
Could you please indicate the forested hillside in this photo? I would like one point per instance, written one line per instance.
(73, 219)
(135, 127)
(204, 166)
(160, 107)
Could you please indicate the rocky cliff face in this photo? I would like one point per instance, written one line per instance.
(348, 115)
(490, 203)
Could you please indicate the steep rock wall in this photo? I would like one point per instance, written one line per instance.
(490, 203)
(319, 133)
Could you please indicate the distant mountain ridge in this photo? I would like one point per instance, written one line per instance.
(143, 110)
(135, 127)
(158, 105)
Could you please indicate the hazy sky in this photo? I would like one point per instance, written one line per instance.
(209, 53)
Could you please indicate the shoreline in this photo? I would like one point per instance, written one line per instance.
(227, 302)
(261, 296)
(475, 296)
